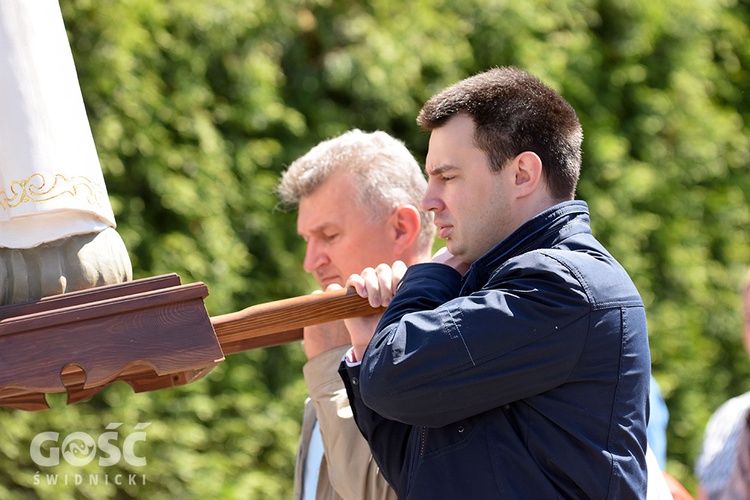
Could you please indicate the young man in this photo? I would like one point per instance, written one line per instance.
(516, 363)
(356, 196)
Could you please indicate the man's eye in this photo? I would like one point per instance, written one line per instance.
(446, 178)
(330, 237)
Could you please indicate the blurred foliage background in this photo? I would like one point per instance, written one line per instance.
(196, 108)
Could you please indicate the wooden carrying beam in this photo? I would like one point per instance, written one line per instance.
(151, 334)
(282, 321)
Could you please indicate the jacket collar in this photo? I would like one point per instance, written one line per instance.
(542, 231)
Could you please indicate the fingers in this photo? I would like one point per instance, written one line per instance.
(378, 285)
(370, 281)
(399, 269)
(444, 256)
(357, 282)
(332, 286)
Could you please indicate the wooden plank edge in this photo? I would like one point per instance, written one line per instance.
(103, 308)
(79, 296)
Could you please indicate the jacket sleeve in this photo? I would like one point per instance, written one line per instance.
(387, 439)
(437, 357)
(352, 472)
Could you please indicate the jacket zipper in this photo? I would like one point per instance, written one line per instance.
(424, 438)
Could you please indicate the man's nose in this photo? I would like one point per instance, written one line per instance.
(314, 256)
(430, 200)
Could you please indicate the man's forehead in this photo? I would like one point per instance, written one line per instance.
(326, 215)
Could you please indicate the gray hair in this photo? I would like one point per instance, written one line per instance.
(385, 174)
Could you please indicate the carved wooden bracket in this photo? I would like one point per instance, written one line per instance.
(152, 334)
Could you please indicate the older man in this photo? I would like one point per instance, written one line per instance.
(357, 196)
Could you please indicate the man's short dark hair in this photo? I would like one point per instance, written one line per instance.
(515, 112)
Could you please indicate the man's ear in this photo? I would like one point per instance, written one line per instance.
(405, 223)
(528, 173)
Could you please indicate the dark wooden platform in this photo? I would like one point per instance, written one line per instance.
(151, 334)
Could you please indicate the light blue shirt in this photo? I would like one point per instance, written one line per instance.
(657, 424)
(312, 464)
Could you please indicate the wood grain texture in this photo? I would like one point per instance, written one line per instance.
(282, 321)
(151, 334)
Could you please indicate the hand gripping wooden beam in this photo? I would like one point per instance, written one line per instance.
(152, 333)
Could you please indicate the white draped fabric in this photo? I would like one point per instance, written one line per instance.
(51, 183)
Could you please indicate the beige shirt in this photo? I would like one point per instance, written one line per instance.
(347, 470)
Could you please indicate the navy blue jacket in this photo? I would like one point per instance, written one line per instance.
(526, 378)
